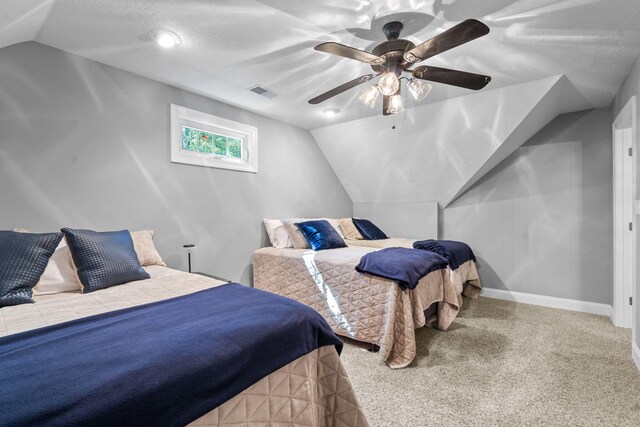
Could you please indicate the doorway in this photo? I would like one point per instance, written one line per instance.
(625, 209)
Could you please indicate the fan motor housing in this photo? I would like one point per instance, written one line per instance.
(393, 52)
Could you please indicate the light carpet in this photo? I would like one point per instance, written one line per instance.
(505, 364)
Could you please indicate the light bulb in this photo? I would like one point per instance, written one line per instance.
(395, 104)
(418, 89)
(164, 38)
(389, 84)
(370, 96)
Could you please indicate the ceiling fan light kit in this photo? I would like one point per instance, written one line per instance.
(388, 84)
(418, 89)
(370, 96)
(395, 105)
(391, 58)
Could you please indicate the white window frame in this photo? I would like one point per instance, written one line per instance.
(183, 116)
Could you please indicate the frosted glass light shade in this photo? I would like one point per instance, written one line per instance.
(370, 96)
(395, 104)
(388, 84)
(418, 89)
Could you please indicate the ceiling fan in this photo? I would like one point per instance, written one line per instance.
(395, 56)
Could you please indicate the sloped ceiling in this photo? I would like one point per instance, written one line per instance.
(438, 150)
(546, 57)
(229, 46)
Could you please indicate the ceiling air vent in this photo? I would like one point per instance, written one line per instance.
(263, 91)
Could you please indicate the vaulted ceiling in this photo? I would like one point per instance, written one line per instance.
(546, 57)
(229, 46)
(436, 151)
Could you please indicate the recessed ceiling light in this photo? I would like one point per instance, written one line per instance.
(330, 112)
(165, 38)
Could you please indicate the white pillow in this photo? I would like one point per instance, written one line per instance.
(278, 235)
(145, 249)
(297, 238)
(60, 274)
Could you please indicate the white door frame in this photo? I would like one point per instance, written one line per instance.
(624, 211)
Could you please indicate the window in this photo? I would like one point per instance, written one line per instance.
(202, 139)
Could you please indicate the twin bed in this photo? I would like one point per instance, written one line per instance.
(364, 307)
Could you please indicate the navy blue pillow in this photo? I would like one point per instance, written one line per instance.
(320, 235)
(23, 259)
(103, 259)
(368, 229)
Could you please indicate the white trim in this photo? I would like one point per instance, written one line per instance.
(635, 353)
(623, 248)
(547, 301)
(183, 116)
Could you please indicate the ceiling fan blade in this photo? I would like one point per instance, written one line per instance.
(451, 77)
(462, 33)
(343, 87)
(349, 52)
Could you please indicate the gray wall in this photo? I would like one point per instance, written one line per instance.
(631, 87)
(541, 221)
(87, 145)
(412, 220)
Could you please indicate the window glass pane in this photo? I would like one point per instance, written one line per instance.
(205, 142)
(220, 144)
(235, 148)
(189, 139)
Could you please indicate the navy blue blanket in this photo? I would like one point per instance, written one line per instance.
(163, 364)
(405, 266)
(457, 253)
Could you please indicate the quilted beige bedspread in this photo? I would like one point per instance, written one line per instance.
(392, 242)
(313, 390)
(359, 306)
(465, 276)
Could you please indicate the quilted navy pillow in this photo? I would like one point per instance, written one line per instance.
(103, 259)
(23, 259)
(368, 229)
(320, 235)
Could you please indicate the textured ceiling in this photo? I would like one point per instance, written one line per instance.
(230, 46)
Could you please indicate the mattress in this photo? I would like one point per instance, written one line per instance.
(313, 390)
(359, 306)
(465, 276)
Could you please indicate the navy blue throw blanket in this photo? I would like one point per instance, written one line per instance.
(457, 253)
(163, 364)
(405, 266)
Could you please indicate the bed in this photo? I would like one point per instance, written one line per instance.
(312, 390)
(465, 276)
(359, 306)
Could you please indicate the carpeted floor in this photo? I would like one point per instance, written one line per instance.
(506, 364)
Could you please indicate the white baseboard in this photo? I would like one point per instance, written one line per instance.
(635, 351)
(546, 301)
